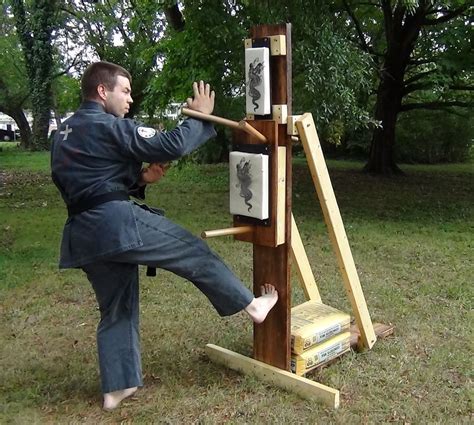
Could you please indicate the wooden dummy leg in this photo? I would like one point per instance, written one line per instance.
(303, 268)
(337, 233)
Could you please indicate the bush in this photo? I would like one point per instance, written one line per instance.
(434, 136)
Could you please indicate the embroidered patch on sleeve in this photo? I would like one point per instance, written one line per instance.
(146, 132)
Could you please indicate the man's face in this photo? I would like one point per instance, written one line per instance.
(118, 101)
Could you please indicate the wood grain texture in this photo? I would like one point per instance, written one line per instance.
(272, 264)
(336, 230)
(305, 388)
(303, 268)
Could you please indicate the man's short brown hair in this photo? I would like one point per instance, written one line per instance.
(101, 73)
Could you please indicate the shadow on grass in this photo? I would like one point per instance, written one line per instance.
(420, 196)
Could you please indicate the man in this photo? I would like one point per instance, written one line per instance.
(96, 164)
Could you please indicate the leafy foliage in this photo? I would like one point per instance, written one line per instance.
(34, 23)
(329, 74)
(124, 32)
(342, 51)
(67, 94)
(14, 92)
(434, 136)
(419, 52)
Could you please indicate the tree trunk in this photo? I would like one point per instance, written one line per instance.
(402, 30)
(24, 127)
(35, 36)
(40, 129)
(22, 123)
(381, 158)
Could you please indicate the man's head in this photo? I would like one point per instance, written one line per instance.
(108, 84)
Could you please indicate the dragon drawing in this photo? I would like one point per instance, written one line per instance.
(245, 180)
(255, 79)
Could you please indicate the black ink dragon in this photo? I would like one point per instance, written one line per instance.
(255, 79)
(245, 180)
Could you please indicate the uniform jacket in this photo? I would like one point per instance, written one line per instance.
(94, 153)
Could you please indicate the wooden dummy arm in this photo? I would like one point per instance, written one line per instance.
(241, 125)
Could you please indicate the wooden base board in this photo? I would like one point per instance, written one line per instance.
(305, 388)
(381, 331)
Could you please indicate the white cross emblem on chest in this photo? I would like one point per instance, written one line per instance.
(66, 132)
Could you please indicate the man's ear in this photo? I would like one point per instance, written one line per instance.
(102, 91)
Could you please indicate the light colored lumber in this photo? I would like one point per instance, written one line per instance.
(281, 196)
(242, 125)
(303, 268)
(291, 129)
(281, 378)
(280, 113)
(278, 45)
(337, 233)
(226, 232)
(211, 118)
(245, 126)
(382, 331)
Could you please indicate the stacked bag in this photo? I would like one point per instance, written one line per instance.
(319, 333)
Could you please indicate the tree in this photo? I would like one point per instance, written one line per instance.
(328, 72)
(34, 23)
(13, 92)
(331, 78)
(126, 32)
(420, 51)
(209, 48)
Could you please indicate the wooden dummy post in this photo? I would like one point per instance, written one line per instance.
(276, 240)
(271, 246)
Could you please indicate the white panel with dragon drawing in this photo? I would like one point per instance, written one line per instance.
(249, 184)
(257, 77)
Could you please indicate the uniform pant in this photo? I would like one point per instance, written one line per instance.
(115, 282)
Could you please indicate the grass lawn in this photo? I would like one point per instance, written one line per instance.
(412, 240)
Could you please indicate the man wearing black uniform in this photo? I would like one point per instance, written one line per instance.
(96, 163)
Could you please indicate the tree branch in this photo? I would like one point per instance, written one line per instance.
(419, 76)
(435, 105)
(358, 28)
(387, 11)
(410, 88)
(68, 68)
(461, 87)
(420, 62)
(174, 17)
(447, 17)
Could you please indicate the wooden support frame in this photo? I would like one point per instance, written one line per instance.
(303, 268)
(291, 121)
(305, 388)
(271, 256)
(337, 233)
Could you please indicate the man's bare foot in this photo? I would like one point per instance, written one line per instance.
(113, 399)
(259, 307)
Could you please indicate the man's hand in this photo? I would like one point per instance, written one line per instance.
(203, 100)
(153, 173)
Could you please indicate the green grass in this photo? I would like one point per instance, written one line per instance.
(9, 146)
(411, 238)
(12, 158)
